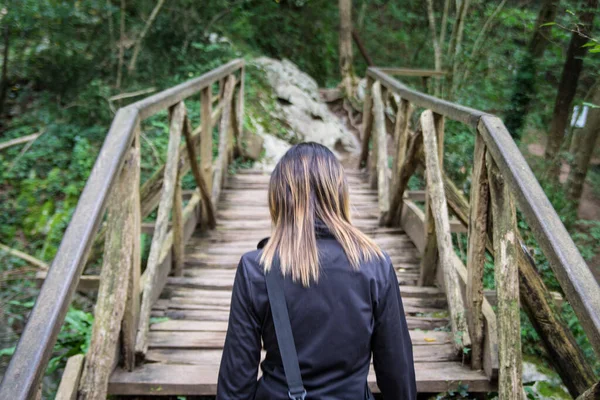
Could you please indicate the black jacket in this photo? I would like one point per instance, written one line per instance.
(337, 325)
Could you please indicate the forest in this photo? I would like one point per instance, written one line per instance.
(68, 66)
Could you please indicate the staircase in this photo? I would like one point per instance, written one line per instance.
(185, 345)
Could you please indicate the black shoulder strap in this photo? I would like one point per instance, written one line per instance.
(283, 331)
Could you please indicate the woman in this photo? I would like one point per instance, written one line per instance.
(341, 290)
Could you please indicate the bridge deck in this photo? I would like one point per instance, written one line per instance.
(185, 344)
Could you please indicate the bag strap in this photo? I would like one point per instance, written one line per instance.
(283, 331)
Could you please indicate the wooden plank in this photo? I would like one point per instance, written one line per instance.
(574, 275)
(507, 284)
(411, 72)
(132, 305)
(189, 380)
(442, 231)
(476, 252)
(201, 182)
(114, 281)
(367, 124)
(383, 191)
(69, 383)
(166, 201)
(220, 170)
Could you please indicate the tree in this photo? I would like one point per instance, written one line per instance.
(587, 143)
(524, 86)
(568, 86)
(346, 58)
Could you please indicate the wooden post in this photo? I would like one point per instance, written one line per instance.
(222, 158)
(160, 231)
(206, 139)
(430, 259)
(239, 112)
(178, 241)
(132, 306)
(476, 252)
(114, 281)
(440, 218)
(537, 301)
(367, 123)
(382, 157)
(592, 393)
(202, 184)
(405, 110)
(415, 144)
(69, 383)
(507, 284)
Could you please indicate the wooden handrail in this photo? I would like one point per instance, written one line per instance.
(574, 276)
(27, 366)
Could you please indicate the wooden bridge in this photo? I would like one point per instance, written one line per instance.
(161, 332)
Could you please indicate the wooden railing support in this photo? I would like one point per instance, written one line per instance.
(178, 241)
(166, 202)
(435, 189)
(401, 135)
(430, 258)
(382, 157)
(114, 281)
(507, 284)
(69, 383)
(476, 252)
(367, 124)
(220, 169)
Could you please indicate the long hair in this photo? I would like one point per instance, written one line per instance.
(309, 185)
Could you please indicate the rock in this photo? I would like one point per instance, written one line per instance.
(252, 145)
(301, 109)
(542, 383)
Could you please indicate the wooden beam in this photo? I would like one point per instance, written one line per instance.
(442, 231)
(114, 280)
(401, 136)
(430, 258)
(162, 219)
(199, 177)
(178, 243)
(222, 162)
(382, 156)
(69, 382)
(476, 252)
(132, 305)
(411, 72)
(367, 124)
(507, 284)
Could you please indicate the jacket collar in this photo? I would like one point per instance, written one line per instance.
(321, 231)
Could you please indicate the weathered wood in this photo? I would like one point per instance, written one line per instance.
(206, 139)
(442, 231)
(383, 191)
(575, 277)
(411, 72)
(592, 393)
(114, 280)
(239, 114)
(415, 144)
(538, 302)
(152, 188)
(223, 158)
(178, 241)
(162, 219)
(202, 184)
(69, 383)
(430, 260)
(507, 284)
(476, 252)
(132, 305)
(401, 136)
(170, 97)
(367, 124)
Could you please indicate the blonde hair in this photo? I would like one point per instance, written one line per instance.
(307, 184)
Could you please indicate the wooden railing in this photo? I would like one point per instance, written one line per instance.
(125, 296)
(501, 182)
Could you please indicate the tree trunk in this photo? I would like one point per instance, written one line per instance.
(138, 42)
(437, 53)
(4, 81)
(121, 45)
(524, 86)
(588, 137)
(568, 87)
(346, 70)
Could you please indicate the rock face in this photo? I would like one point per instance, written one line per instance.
(300, 108)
